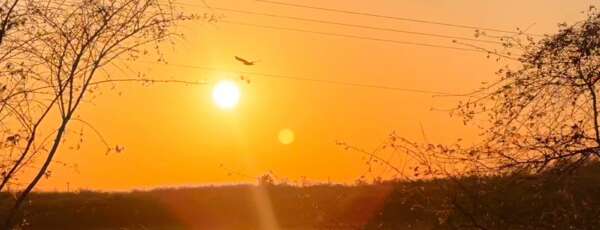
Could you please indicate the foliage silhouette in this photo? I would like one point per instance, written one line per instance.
(56, 55)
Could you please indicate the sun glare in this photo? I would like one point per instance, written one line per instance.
(226, 94)
(286, 136)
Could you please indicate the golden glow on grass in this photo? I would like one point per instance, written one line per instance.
(286, 136)
(226, 94)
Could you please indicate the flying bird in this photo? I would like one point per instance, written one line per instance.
(244, 61)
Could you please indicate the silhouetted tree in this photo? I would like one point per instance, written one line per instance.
(266, 180)
(545, 113)
(16, 35)
(539, 120)
(542, 114)
(69, 44)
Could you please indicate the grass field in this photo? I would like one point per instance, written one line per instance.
(516, 202)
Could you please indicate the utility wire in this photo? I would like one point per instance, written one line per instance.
(353, 36)
(480, 50)
(295, 78)
(342, 24)
(390, 17)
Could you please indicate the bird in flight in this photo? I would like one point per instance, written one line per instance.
(244, 61)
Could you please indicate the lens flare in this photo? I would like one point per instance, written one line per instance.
(286, 136)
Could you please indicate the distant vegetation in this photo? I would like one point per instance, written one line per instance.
(516, 202)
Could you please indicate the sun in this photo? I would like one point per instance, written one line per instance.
(226, 94)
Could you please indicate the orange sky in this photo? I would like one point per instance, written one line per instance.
(175, 135)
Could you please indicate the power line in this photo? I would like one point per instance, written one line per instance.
(353, 36)
(480, 50)
(295, 78)
(343, 24)
(389, 17)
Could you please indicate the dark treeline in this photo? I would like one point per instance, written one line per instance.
(511, 202)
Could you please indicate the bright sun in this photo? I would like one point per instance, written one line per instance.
(226, 94)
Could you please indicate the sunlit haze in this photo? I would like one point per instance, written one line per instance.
(302, 94)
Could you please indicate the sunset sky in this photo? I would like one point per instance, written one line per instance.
(176, 135)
